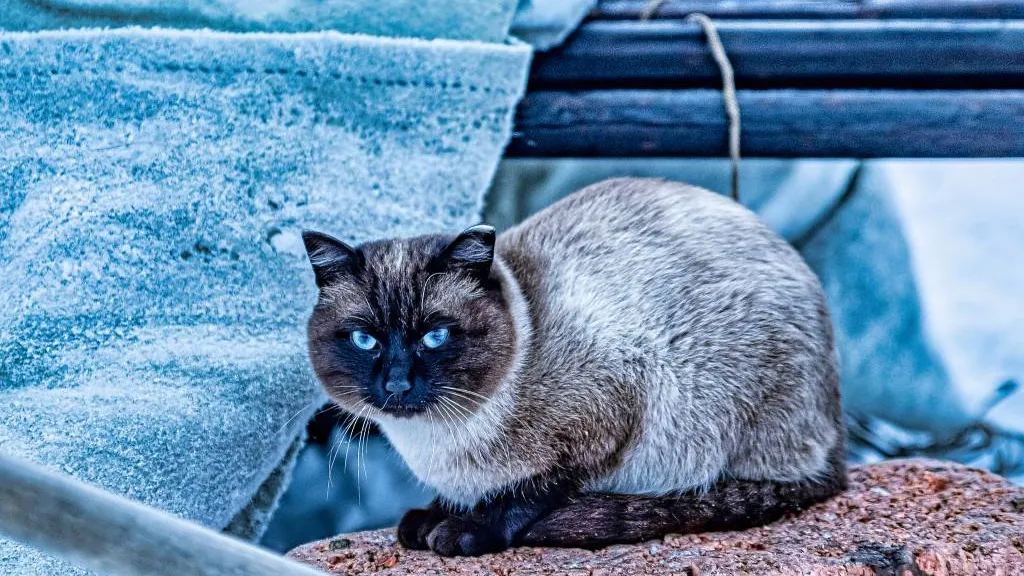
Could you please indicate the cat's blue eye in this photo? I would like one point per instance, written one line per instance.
(363, 340)
(435, 338)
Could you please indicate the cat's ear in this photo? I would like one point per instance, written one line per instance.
(471, 251)
(331, 258)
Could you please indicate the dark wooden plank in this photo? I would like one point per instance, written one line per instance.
(776, 123)
(765, 53)
(815, 9)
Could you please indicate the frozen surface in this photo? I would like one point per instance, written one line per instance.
(153, 185)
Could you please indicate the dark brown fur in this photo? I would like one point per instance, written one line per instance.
(592, 520)
(379, 296)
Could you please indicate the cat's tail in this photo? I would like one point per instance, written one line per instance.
(597, 520)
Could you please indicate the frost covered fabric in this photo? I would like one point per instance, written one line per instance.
(542, 23)
(547, 23)
(924, 271)
(792, 197)
(153, 185)
(481, 20)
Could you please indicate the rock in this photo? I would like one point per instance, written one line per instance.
(906, 517)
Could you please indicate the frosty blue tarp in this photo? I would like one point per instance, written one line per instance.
(153, 184)
(460, 20)
(924, 273)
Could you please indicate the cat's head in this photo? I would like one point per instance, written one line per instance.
(410, 326)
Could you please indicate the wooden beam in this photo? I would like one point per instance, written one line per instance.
(815, 9)
(806, 54)
(776, 123)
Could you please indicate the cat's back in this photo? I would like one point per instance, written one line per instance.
(706, 330)
(651, 250)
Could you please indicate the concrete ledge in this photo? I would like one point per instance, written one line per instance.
(913, 517)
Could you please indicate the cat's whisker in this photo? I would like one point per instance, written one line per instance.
(426, 283)
(458, 394)
(350, 434)
(464, 391)
(459, 401)
(345, 437)
(458, 421)
(386, 400)
(335, 445)
(350, 431)
(466, 415)
(448, 405)
(360, 458)
(433, 443)
(471, 425)
(445, 420)
(371, 310)
(296, 415)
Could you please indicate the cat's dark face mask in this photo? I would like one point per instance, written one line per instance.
(409, 327)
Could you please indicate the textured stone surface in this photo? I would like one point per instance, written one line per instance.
(910, 517)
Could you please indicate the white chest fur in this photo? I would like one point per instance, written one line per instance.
(461, 459)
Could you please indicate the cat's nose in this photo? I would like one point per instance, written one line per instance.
(397, 386)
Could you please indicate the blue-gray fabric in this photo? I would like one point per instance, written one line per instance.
(452, 19)
(546, 23)
(790, 196)
(542, 23)
(153, 185)
(923, 268)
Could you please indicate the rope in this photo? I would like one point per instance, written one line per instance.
(650, 8)
(732, 105)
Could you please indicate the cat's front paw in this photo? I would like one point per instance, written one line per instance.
(464, 537)
(415, 525)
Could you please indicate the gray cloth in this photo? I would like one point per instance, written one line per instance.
(924, 272)
(546, 23)
(542, 23)
(479, 20)
(792, 197)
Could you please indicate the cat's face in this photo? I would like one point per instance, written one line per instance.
(409, 327)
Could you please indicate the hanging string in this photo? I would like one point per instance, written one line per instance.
(649, 9)
(732, 105)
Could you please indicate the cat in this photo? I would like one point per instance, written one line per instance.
(641, 357)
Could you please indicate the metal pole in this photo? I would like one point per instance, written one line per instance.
(115, 536)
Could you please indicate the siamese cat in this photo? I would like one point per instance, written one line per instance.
(641, 358)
